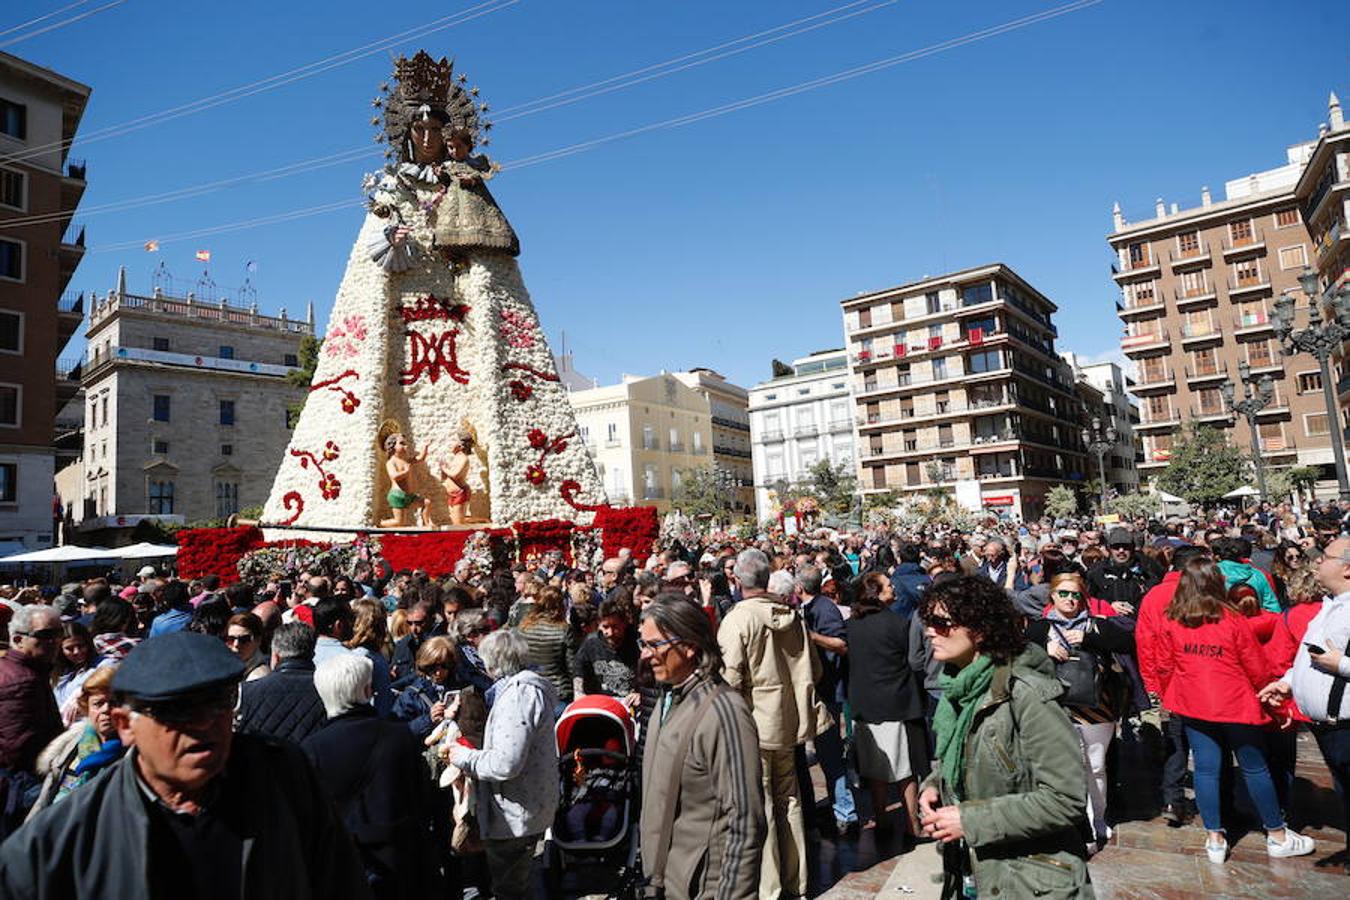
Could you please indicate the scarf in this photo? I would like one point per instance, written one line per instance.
(961, 695)
(1059, 624)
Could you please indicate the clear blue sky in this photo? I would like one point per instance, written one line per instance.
(729, 241)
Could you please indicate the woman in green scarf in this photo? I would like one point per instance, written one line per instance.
(1008, 797)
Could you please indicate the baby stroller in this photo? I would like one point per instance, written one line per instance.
(594, 837)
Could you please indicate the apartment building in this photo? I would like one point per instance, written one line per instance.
(186, 409)
(1115, 408)
(40, 247)
(957, 385)
(731, 454)
(1197, 290)
(643, 434)
(798, 418)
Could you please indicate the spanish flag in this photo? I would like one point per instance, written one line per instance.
(152, 246)
(203, 256)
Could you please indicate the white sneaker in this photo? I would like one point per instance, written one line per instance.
(1294, 844)
(1217, 853)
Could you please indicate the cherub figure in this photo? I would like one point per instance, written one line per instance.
(400, 497)
(454, 473)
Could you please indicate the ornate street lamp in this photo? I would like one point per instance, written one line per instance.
(1249, 408)
(1099, 441)
(1327, 330)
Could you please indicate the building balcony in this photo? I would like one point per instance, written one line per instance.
(1200, 373)
(1196, 334)
(1337, 234)
(1145, 342)
(1131, 271)
(1212, 414)
(1252, 323)
(1273, 366)
(805, 431)
(613, 444)
(700, 450)
(651, 445)
(69, 374)
(1233, 249)
(734, 424)
(677, 447)
(1278, 446)
(1245, 286)
(1167, 420)
(1279, 406)
(1190, 259)
(1140, 306)
(1186, 297)
(653, 493)
(774, 435)
(69, 315)
(1155, 379)
(841, 425)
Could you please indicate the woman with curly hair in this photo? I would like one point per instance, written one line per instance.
(1010, 788)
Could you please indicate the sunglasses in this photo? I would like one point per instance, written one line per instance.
(940, 624)
(46, 634)
(1076, 595)
(236, 639)
(190, 709)
(653, 646)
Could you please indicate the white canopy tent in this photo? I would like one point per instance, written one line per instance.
(144, 550)
(57, 555)
(1245, 491)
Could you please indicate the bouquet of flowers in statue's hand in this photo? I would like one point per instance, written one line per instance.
(676, 527)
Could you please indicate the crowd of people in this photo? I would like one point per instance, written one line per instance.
(391, 733)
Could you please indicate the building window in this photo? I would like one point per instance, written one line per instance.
(649, 441)
(11, 332)
(227, 499)
(1240, 231)
(1248, 272)
(612, 434)
(1309, 382)
(879, 477)
(975, 294)
(226, 352)
(103, 402)
(161, 498)
(1315, 424)
(161, 447)
(1295, 257)
(675, 440)
(865, 318)
(939, 368)
(9, 405)
(1259, 354)
(13, 189)
(1285, 218)
(13, 119)
(1138, 255)
(9, 482)
(675, 481)
(988, 361)
(160, 343)
(11, 259)
(227, 449)
(227, 412)
(161, 408)
(292, 361)
(1188, 243)
(698, 442)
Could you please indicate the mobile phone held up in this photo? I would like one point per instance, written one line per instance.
(1313, 648)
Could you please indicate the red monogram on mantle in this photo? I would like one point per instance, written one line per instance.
(432, 355)
(432, 308)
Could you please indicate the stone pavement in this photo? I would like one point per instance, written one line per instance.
(1144, 860)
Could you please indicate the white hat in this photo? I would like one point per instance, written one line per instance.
(146, 572)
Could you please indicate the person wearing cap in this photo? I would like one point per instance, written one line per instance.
(146, 573)
(192, 809)
(1124, 576)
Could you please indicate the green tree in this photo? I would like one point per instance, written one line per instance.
(1061, 502)
(1305, 478)
(1204, 466)
(834, 487)
(1137, 505)
(1279, 484)
(882, 500)
(698, 493)
(303, 376)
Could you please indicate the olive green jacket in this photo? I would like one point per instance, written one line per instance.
(1025, 787)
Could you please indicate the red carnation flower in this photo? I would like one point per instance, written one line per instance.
(330, 487)
(538, 440)
(536, 475)
(521, 391)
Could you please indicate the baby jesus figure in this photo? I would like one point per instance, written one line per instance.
(454, 473)
(400, 496)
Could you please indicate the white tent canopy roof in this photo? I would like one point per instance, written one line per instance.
(67, 553)
(1245, 491)
(143, 550)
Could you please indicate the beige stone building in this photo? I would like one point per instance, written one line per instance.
(1198, 287)
(40, 247)
(186, 408)
(642, 433)
(729, 406)
(957, 376)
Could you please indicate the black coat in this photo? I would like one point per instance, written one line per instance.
(881, 685)
(373, 770)
(283, 705)
(1112, 582)
(99, 842)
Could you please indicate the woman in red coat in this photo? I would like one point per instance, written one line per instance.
(1210, 668)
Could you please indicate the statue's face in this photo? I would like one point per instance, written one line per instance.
(427, 141)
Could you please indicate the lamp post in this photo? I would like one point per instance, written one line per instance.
(1098, 441)
(1249, 407)
(1327, 329)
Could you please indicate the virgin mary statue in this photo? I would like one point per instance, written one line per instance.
(436, 399)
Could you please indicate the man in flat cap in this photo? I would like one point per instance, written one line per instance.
(192, 810)
(1125, 576)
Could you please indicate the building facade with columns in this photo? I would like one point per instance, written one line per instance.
(187, 408)
(801, 416)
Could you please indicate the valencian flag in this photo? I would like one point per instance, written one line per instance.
(203, 256)
(152, 246)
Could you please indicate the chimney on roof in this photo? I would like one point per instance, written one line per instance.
(1175, 209)
(1205, 199)
(1159, 208)
(1334, 114)
(1116, 217)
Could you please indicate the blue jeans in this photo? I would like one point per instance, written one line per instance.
(1208, 740)
(830, 755)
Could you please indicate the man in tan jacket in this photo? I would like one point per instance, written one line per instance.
(771, 663)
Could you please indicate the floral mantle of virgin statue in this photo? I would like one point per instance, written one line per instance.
(436, 400)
